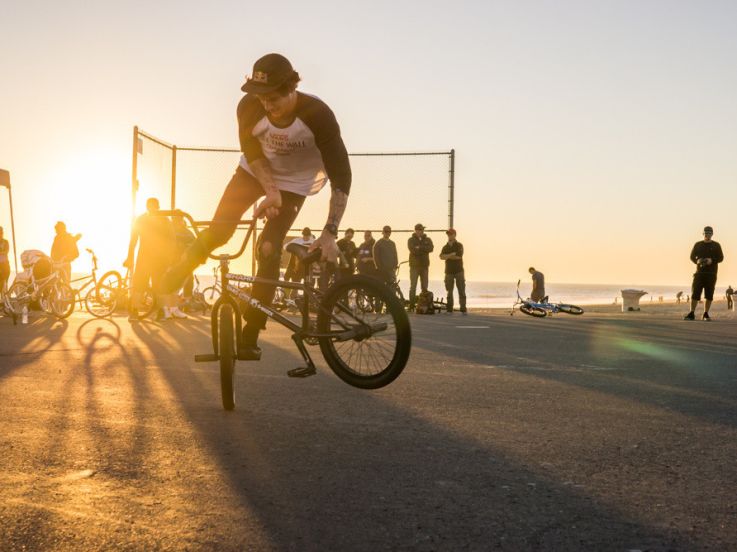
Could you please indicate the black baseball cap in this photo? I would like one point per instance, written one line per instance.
(419, 226)
(708, 230)
(269, 73)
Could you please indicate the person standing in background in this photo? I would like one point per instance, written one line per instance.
(64, 249)
(385, 256)
(538, 285)
(420, 246)
(348, 250)
(452, 254)
(706, 255)
(4, 262)
(183, 238)
(730, 300)
(365, 256)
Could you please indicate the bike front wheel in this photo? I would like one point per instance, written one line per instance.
(17, 296)
(570, 309)
(382, 339)
(226, 349)
(537, 312)
(101, 301)
(211, 294)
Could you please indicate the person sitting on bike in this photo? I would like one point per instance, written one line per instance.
(291, 146)
(538, 285)
(385, 256)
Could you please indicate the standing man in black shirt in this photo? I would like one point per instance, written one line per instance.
(452, 254)
(365, 255)
(538, 284)
(706, 255)
(420, 246)
(385, 256)
(348, 250)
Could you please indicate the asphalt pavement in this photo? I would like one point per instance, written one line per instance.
(601, 432)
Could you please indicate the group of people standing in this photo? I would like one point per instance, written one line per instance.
(379, 259)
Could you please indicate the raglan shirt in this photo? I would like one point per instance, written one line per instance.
(304, 155)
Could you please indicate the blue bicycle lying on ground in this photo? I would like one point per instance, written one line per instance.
(361, 327)
(543, 308)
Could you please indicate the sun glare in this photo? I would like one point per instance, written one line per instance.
(92, 196)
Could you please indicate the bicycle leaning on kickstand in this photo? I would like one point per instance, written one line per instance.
(365, 347)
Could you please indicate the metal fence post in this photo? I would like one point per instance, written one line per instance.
(134, 173)
(451, 188)
(173, 176)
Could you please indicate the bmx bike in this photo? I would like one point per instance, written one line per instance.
(365, 347)
(543, 308)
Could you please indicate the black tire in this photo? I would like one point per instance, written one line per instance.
(62, 300)
(226, 349)
(537, 312)
(570, 309)
(211, 294)
(148, 303)
(344, 305)
(102, 300)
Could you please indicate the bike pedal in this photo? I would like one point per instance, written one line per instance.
(211, 357)
(249, 353)
(302, 372)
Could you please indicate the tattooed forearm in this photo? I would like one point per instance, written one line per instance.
(338, 203)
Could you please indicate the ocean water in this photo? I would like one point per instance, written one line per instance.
(503, 294)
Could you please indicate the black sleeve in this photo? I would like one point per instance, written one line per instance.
(694, 253)
(321, 120)
(250, 112)
(429, 246)
(720, 255)
(459, 252)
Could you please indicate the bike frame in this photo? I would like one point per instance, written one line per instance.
(229, 294)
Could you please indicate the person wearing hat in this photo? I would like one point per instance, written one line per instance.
(420, 246)
(64, 249)
(385, 256)
(452, 254)
(292, 146)
(348, 251)
(706, 255)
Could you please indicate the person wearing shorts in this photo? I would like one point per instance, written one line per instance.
(291, 146)
(706, 255)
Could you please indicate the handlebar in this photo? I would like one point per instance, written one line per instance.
(251, 223)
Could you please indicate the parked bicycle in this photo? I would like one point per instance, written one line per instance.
(121, 295)
(99, 300)
(51, 292)
(543, 308)
(366, 350)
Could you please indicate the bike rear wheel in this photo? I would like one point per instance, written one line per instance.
(226, 348)
(61, 299)
(537, 312)
(570, 309)
(17, 296)
(380, 350)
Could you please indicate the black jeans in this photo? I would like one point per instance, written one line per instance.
(242, 192)
(414, 273)
(459, 279)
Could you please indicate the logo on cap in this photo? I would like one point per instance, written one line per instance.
(260, 76)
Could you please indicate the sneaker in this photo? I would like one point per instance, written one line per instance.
(164, 314)
(706, 317)
(690, 316)
(176, 313)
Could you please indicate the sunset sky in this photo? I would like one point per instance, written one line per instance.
(594, 140)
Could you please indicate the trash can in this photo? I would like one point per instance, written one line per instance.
(631, 299)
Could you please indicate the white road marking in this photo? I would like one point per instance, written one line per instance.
(473, 327)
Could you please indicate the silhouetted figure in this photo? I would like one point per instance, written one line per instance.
(4, 262)
(64, 249)
(538, 285)
(452, 254)
(385, 256)
(730, 299)
(706, 255)
(183, 238)
(420, 246)
(156, 253)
